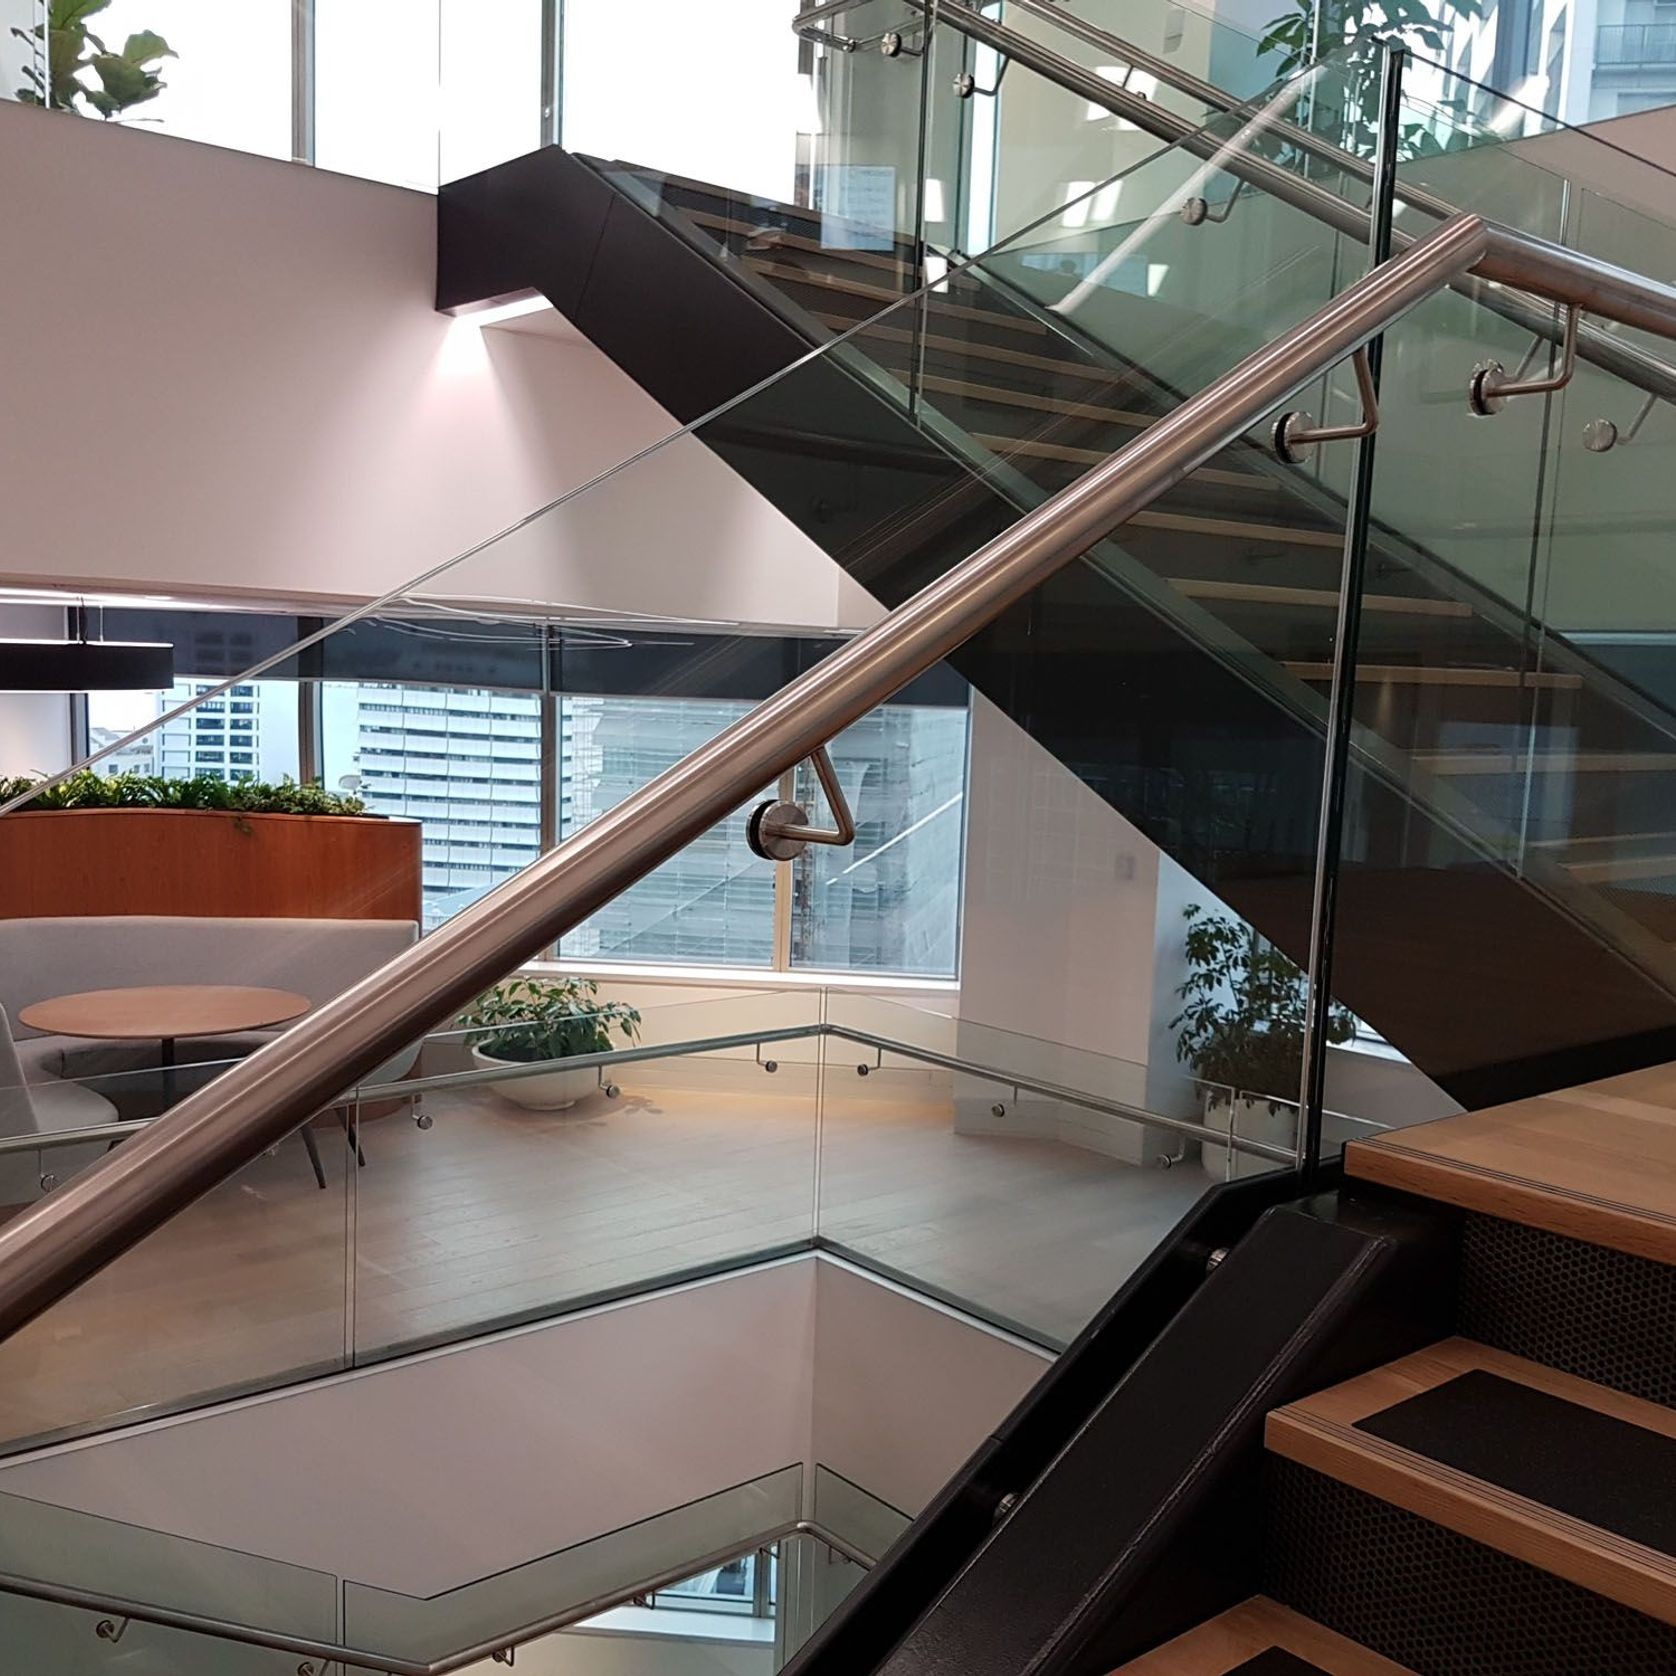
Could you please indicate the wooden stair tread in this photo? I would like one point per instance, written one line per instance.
(1547, 762)
(1427, 675)
(1323, 1432)
(1254, 1627)
(1036, 449)
(871, 333)
(1271, 593)
(1241, 528)
(780, 236)
(1596, 1162)
(1625, 870)
(825, 281)
(997, 395)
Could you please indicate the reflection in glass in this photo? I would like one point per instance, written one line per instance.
(891, 901)
(464, 761)
(713, 904)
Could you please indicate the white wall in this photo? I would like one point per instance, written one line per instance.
(904, 1390)
(233, 378)
(446, 1468)
(1065, 944)
(1073, 937)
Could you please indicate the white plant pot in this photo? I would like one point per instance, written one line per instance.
(1252, 1120)
(544, 1091)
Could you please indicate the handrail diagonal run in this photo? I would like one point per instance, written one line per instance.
(54, 1245)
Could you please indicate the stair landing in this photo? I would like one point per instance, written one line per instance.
(1596, 1162)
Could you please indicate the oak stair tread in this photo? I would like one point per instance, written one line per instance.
(870, 333)
(1274, 593)
(1429, 675)
(1547, 762)
(1230, 1642)
(941, 305)
(998, 395)
(1596, 1162)
(779, 237)
(1327, 1433)
(1036, 449)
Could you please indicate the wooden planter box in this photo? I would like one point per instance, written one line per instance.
(207, 863)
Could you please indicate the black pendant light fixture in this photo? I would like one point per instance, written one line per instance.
(80, 665)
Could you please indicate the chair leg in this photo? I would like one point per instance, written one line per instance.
(360, 1156)
(309, 1142)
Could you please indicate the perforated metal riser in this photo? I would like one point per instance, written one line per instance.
(1436, 1602)
(1601, 1314)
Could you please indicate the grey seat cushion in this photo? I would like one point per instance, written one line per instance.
(67, 1105)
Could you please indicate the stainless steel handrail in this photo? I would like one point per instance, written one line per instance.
(53, 1246)
(1624, 360)
(407, 1088)
(358, 1659)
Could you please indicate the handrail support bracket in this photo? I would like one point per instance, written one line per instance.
(1490, 388)
(779, 831)
(1296, 434)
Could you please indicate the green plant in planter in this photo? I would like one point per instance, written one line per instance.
(530, 1020)
(70, 51)
(88, 789)
(1241, 1025)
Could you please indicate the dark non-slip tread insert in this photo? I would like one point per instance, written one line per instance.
(1277, 1662)
(1591, 1466)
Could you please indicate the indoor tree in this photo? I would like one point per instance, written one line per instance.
(1311, 29)
(77, 70)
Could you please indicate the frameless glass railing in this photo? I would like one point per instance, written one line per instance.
(83, 1591)
(526, 1167)
(470, 721)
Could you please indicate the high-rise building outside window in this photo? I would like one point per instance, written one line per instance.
(263, 747)
(464, 762)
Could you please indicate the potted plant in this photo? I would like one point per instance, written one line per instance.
(1241, 1029)
(536, 1021)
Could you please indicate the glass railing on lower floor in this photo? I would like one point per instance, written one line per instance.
(750, 1569)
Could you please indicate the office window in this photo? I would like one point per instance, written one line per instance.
(891, 901)
(198, 742)
(230, 80)
(713, 904)
(404, 748)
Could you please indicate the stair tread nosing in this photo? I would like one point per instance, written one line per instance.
(1595, 1163)
(1551, 1469)
(1261, 1638)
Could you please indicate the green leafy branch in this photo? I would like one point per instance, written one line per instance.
(1241, 1026)
(67, 53)
(87, 789)
(1297, 37)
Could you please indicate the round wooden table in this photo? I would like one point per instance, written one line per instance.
(164, 1013)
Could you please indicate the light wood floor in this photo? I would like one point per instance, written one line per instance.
(1596, 1162)
(495, 1214)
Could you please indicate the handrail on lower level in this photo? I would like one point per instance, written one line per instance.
(54, 1245)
